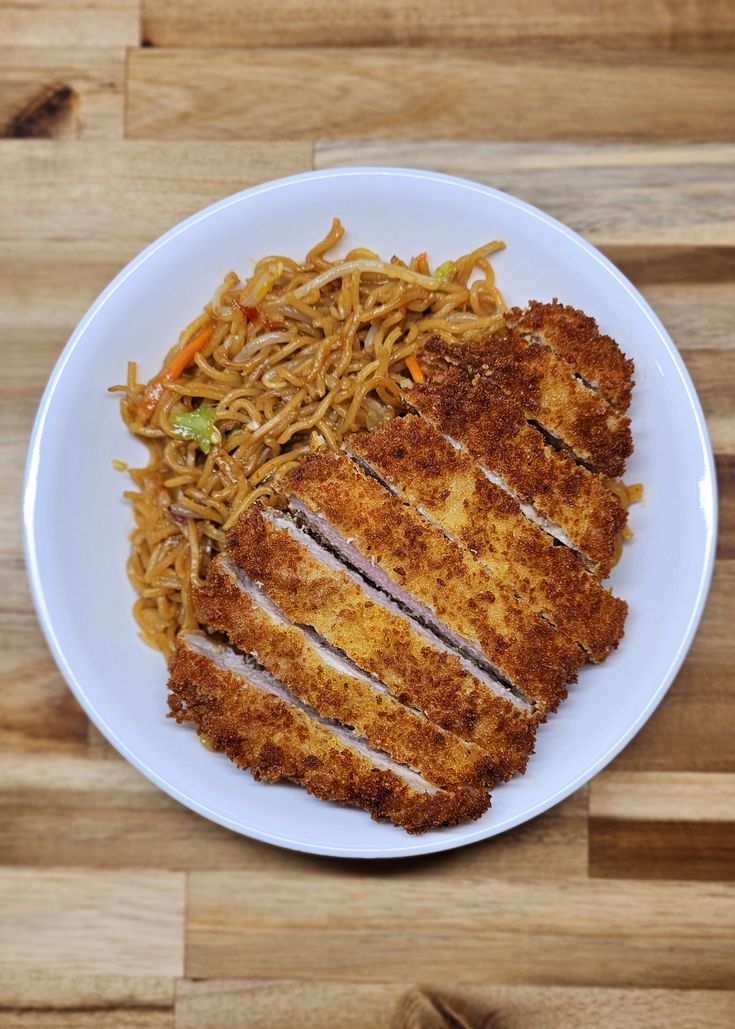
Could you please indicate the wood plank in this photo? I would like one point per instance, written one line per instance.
(120, 820)
(70, 23)
(674, 25)
(726, 487)
(696, 314)
(615, 196)
(53, 1019)
(653, 796)
(527, 1007)
(677, 737)
(684, 266)
(136, 189)
(649, 825)
(69, 93)
(110, 1018)
(76, 991)
(664, 849)
(273, 1004)
(37, 710)
(332, 93)
(270, 1004)
(122, 923)
(364, 925)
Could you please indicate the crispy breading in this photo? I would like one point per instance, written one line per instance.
(381, 641)
(448, 487)
(417, 557)
(550, 393)
(490, 425)
(576, 338)
(276, 740)
(287, 653)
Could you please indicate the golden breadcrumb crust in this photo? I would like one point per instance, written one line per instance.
(287, 653)
(449, 487)
(381, 642)
(576, 338)
(484, 419)
(550, 394)
(275, 740)
(528, 651)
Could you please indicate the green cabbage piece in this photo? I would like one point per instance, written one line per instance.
(198, 425)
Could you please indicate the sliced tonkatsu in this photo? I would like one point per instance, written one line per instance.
(261, 726)
(551, 395)
(568, 500)
(312, 588)
(440, 583)
(577, 339)
(446, 486)
(322, 677)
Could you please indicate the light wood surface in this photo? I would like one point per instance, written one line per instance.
(120, 908)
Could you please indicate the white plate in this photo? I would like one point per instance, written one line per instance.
(77, 523)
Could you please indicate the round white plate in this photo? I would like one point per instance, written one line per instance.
(77, 524)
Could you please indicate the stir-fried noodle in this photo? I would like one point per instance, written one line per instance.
(300, 354)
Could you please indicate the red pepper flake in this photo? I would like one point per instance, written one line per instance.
(254, 314)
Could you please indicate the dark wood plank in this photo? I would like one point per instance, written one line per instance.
(623, 849)
(669, 25)
(726, 487)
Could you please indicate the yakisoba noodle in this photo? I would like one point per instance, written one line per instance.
(300, 354)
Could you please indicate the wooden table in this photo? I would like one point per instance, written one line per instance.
(118, 906)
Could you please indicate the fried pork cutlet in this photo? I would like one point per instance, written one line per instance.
(550, 393)
(441, 584)
(576, 338)
(447, 487)
(311, 588)
(261, 726)
(229, 602)
(568, 500)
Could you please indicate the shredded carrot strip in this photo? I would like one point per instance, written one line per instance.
(415, 369)
(178, 363)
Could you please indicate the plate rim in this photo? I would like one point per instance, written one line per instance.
(413, 845)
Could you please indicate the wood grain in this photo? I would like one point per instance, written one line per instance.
(524, 1007)
(318, 92)
(666, 849)
(69, 93)
(126, 923)
(647, 825)
(651, 796)
(676, 25)
(258, 1004)
(69, 23)
(589, 931)
(726, 487)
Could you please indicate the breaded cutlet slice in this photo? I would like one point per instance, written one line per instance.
(262, 727)
(447, 487)
(550, 393)
(313, 589)
(569, 501)
(230, 603)
(577, 339)
(443, 585)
